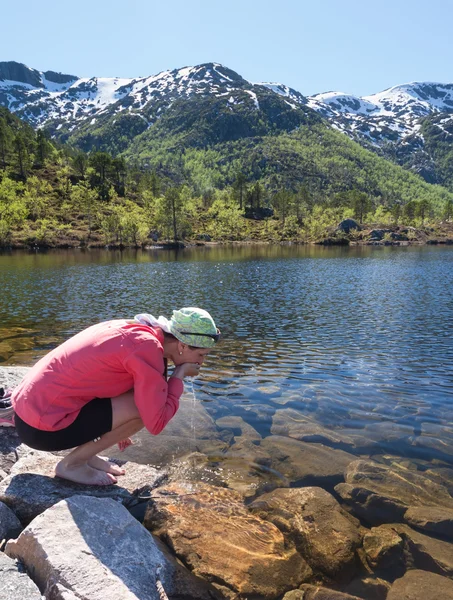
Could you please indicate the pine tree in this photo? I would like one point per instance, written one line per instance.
(448, 210)
(43, 147)
(422, 208)
(22, 155)
(80, 164)
(239, 187)
(6, 138)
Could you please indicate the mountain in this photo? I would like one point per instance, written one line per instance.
(79, 103)
(208, 104)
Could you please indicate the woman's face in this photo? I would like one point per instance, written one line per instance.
(191, 355)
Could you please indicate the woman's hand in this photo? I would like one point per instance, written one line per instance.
(186, 370)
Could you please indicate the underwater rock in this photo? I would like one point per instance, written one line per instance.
(379, 493)
(31, 486)
(370, 588)
(306, 463)
(293, 423)
(431, 518)
(421, 584)
(238, 423)
(86, 547)
(313, 592)
(325, 535)
(214, 534)
(425, 552)
(383, 548)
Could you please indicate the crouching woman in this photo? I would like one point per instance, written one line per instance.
(105, 384)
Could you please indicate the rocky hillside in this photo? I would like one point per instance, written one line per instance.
(409, 124)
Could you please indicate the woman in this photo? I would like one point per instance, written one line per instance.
(105, 384)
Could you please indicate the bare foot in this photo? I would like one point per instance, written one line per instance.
(84, 474)
(102, 464)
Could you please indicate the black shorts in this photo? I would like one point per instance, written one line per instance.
(94, 419)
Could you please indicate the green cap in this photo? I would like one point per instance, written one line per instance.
(194, 326)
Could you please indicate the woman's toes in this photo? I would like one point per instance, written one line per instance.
(102, 464)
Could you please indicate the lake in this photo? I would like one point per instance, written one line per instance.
(346, 347)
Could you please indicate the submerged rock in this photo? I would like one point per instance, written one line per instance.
(416, 584)
(431, 519)
(369, 588)
(425, 552)
(380, 493)
(325, 535)
(295, 424)
(313, 592)
(306, 463)
(31, 487)
(215, 535)
(383, 548)
(86, 547)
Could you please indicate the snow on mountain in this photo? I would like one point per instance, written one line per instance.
(391, 115)
(66, 100)
(38, 99)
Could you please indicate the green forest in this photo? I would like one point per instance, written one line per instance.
(173, 185)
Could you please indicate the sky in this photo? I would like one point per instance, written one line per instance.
(356, 47)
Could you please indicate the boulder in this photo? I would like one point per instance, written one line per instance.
(87, 547)
(12, 376)
(215, 535)
(424, 551)
(421, 585)
(31, 486)
(441, 475)
(305, 463)
(10, 526)
(383, 548)
(433, 447)
(295, 424)
(240, 468)
(431, 518)
(369, 588)
(348, 225)
(313, 592)
(379, 493)
(237, 424)
(15, 583)
(325, 535)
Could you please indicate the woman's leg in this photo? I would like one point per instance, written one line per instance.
(83, 466)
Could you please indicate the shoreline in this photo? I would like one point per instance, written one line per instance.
(192, 245)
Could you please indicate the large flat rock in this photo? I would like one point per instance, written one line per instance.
(31, 486)
(431, 519)
(380, 493)
(421, 585)
(322, 532)
(305, 463)
(215, 535)
(92, 548)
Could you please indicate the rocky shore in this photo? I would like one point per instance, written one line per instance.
(334, 524)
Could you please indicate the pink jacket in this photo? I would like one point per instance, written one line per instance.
(102, 361)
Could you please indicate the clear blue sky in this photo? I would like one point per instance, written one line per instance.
(359, 47)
